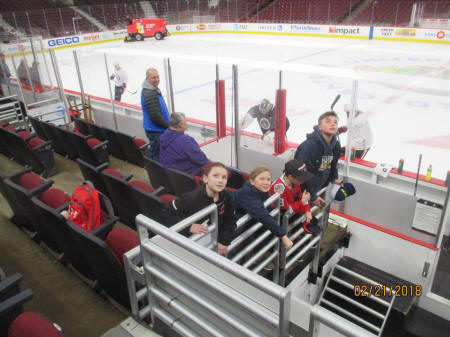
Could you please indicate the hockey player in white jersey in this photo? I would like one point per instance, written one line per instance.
(120, 79)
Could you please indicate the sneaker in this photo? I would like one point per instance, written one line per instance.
(312, 227)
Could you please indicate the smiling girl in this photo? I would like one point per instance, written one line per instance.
(250, 199)
(215, 176)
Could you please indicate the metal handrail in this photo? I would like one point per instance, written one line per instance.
(149, 248)
(227, 265)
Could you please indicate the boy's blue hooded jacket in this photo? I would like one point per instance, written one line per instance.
(320, 158)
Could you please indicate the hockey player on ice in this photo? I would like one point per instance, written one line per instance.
(265, 115)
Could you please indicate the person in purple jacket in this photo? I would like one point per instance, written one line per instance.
(180, 151)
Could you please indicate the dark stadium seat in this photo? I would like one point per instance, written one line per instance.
(158, 175)
(122, 197)
(92, 173)
(34, 152)
(114, 146)
(11, 308)
(91, 149)
(96, 131)
(18, 217)
(31, 324)
(57, 226)
(62, 134)
(52, 134)
(236, 178)
(82, 126)
(99, 254)
(149, 204)
(11, 147)
(37, 127)
(181, 182)
(21, 189)
(133, 147)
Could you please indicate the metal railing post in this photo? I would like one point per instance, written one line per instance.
(60, 84)
(110, 94)
(169, 85)
(237, 130)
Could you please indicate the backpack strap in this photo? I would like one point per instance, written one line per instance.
(89, 183)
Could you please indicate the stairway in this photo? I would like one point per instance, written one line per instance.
(365, 296)
(149, 12)
(91, 19)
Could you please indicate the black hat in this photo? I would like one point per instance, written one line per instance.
(345, 191)
(297, 168)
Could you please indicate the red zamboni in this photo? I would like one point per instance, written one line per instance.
(140, 28)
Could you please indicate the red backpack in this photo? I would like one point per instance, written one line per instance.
(85, 207)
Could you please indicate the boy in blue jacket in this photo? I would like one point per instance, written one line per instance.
(320, 152)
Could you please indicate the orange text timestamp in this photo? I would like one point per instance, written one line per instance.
(381, 290)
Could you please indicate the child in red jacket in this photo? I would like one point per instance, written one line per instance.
(288, 186)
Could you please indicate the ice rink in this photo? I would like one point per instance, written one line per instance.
(403, 87)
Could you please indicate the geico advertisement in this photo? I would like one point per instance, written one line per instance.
(63, 41)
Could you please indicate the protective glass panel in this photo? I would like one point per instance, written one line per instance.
(257, 81)
(194, 91)
(405, 100)
(311, 91)
(28, 72)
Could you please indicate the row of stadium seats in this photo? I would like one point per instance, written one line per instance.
(96, 255)
(27, 149)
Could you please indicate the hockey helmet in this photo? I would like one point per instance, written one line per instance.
(265, 106)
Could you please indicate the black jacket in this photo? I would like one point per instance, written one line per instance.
(321, 160)
(195, 200)
(248, 199)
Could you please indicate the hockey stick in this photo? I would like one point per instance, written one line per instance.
(335, 101)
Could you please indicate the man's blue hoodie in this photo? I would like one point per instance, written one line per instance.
(181, 152)
(320, 158)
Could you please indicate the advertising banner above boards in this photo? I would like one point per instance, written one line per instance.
(357, 32)
(66, 41)
(339, 31)
(273, 28)
(412, 34)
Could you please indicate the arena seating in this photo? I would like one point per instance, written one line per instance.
(305, 11)
(21, 190)
(32, 151)
(386, 12)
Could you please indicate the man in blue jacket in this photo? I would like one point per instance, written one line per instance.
(320, 152)
(155, 113)
(180, 151)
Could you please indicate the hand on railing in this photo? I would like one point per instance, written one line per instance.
(286, 242)
(319, 202)
(308, 217)
(221, 249)
(197, 228)
(305, 197)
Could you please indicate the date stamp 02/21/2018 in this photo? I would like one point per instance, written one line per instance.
(381, 290)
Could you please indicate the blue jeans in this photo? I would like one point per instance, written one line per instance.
(153, 140)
